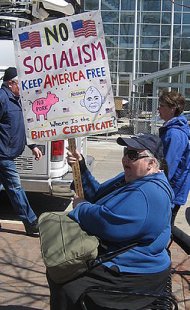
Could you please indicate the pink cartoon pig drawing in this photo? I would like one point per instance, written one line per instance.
(41, 106)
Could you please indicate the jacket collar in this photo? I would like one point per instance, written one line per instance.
(10, 94)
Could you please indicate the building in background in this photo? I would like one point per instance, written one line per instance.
(144, 37)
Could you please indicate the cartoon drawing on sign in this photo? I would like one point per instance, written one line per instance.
(93, 100)
(41, 106)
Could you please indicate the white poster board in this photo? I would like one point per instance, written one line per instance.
(64, 78)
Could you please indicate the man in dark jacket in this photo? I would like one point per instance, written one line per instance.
(175, 135)
(12, 144)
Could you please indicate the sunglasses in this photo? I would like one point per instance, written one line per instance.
(133, 154)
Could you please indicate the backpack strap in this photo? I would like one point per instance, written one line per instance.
(107, 256)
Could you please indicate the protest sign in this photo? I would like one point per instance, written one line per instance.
(64, 78)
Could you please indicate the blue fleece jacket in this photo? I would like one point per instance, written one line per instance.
(120, 213)
(175, 135)
(12, 130)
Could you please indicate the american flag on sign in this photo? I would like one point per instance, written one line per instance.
(30, 39)
(84, 28)
(38, 91)
(30, 120)
(65, 109)
(103, 81)
(109, 110)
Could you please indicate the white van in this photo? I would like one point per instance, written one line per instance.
(51, 174)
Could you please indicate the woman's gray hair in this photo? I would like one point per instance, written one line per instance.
(6, 83)
(150, 155)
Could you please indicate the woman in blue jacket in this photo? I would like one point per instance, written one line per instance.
(175, 135)
(133, 206)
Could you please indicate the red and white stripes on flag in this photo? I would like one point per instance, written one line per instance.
(30, 39)
(84, 28)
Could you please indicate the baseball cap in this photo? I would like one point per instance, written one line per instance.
(144, 142)
(10, 73)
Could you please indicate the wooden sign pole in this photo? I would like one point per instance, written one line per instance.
(76, 170)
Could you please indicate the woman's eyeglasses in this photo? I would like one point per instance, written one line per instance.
(133, 154)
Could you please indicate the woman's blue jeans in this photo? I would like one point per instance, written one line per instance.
(10, 179)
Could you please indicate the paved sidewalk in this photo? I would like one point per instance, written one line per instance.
(181, 277)
(180, 260)
(23, 283)
(182, 226)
